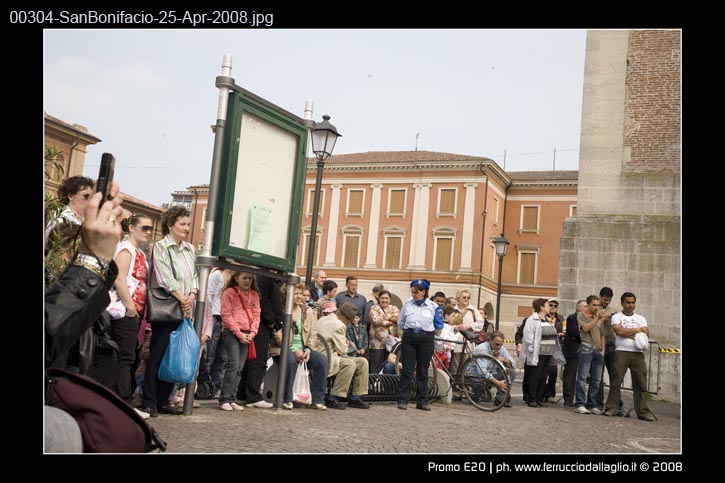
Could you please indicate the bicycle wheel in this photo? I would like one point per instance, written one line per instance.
(475, 382)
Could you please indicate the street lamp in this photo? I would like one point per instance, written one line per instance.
(324, 136)
(501, 244)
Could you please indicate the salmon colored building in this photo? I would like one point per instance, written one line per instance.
(390, 217)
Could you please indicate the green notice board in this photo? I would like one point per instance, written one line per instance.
(262, 181)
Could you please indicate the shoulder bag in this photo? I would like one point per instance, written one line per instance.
(161, 306)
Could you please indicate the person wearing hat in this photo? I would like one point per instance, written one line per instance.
(629, 354)
(333, 329)
(553, 370)
(419, 319)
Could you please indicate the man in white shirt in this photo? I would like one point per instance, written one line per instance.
(626, 325)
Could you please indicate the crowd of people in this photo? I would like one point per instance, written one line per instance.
(103, 333)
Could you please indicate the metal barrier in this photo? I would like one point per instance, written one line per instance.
(384, 387)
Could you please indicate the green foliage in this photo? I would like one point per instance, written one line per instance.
(60, 243)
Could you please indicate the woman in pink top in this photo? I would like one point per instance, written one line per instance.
(240, 321)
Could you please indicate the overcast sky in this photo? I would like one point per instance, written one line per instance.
(150, 94)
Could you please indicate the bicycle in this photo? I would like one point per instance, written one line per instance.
(474, 377)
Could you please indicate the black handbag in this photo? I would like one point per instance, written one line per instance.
(161, 306)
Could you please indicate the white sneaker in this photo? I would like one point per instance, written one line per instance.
(143, 414)
(582, 410)
(226, 407)
(597, 411)
(260, 404)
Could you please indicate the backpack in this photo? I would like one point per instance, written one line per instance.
(107, 423)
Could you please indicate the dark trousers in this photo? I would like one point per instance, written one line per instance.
(634, 361)
(123, 332)
(378, 358)
(550, 376)
(570, 368)
(536, 380)
(214, 358)
(155, 391)
(257, 368)
(104, 366)
(416, 352)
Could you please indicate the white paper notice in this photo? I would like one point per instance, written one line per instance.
(260, 227)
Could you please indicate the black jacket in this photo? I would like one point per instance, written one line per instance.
(572, 338)
(270, 302)
(72, 304)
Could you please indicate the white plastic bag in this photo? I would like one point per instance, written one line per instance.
(301, 387)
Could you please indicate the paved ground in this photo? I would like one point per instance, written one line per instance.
(446, 429)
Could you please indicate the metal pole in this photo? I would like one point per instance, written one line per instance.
(498, 292)
(284, 353)
(313, 233)
(205, 260)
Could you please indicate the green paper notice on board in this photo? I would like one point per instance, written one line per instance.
(260, 226)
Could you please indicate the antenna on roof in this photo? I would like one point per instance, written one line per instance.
(504, 160)
(554, 169)
(416, 140)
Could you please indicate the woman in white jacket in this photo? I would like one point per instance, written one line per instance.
(539, 344)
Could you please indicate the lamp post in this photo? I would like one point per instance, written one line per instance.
(501, 244)
(324, 136)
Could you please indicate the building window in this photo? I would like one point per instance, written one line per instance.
(494, 212)
(355, 199)
(446, 202)
(393, 251)
(527, 268)
(203, 219)
(493, 260)
(351, 238)
(306, 245)
(572, 210)
(396, 202)
(529, 219)
(200, 245)
(443, 249)
(311, 201)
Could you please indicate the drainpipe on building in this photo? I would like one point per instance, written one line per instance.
(483, 237)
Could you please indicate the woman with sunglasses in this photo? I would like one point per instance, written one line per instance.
(131, 289)
(74, 193)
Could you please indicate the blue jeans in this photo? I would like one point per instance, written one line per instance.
(589, 361)
(216, 355)
(317, 365)
(237, 356)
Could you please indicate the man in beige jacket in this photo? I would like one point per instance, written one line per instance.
(346, 369)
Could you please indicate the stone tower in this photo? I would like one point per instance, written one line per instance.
(626, 233)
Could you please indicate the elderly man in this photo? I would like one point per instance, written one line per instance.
(347, 369)
(316, 288)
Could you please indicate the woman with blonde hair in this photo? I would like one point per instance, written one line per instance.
(241, 313)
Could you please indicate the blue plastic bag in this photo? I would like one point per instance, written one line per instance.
(182, 355)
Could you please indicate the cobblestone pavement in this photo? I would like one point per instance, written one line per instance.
(385, 429)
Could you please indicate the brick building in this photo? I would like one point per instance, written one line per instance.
(626, 232)
(390, 217)
(72, 140)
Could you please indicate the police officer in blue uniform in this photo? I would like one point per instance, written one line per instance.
(420, 318)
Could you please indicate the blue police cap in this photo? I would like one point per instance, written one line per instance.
(420, 281)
